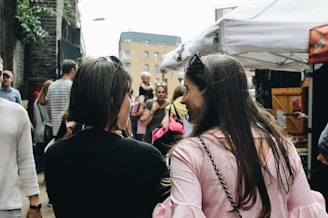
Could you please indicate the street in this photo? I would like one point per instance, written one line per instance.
(47, 212)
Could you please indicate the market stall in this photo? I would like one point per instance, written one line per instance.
(266, 34)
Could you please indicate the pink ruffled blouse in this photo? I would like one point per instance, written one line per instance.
(196, 191)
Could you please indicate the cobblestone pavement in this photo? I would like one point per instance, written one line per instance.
(47, 212)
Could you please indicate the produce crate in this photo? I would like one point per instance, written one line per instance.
(286, 101)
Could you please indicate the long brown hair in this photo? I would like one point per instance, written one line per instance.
(41, 99)
(178, 91)
(98, 91)
(230, 107)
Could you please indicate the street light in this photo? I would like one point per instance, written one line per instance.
(99, 19)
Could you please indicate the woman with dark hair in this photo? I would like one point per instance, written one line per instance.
(96, 172)
(236, 162)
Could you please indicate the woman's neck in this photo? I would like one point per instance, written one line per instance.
(162, 103)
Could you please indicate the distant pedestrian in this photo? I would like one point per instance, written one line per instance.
(97, 172)
(176, 99)
(137, 112)
(58, 94)
(6, 89)
(41, 117)
(16, 161)
(145, 85)
(154, 111)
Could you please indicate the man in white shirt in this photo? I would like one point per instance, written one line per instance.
(16, 160)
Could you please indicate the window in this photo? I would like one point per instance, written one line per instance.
(126, 55)
(127, 67)
(156, 56)
(146, 55)
(146, 67)
(156, 69)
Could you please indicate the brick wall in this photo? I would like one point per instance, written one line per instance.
(18, 65)
(8, 33)
(37, 61)
(41, 56)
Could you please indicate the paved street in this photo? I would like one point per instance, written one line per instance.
(47, 212)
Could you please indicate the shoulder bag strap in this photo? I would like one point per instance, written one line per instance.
(40, 111)
(170, 110)
(222, 181)
(176, 112)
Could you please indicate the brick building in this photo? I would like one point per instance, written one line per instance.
(143, 52)
(35, 62)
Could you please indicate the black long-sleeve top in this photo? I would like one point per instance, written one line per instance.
(95, 173)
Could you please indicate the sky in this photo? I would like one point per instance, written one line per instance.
(184, 18)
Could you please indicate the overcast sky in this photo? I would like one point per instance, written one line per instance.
(184, 18)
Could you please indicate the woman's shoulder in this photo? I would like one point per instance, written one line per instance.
(139, 146)
(188, 145)
(139, 150)
(195, 143)
(149, 103)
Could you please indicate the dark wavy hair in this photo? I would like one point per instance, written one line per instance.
(97, 93)
(230, 107)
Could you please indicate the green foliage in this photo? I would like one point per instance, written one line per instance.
(69, 12)
(28, 15)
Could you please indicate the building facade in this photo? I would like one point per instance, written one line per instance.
(35, 62)
(143, 52)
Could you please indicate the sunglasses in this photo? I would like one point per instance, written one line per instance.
(161, 84)
(195, 64)
(115, 60)
(5, 76)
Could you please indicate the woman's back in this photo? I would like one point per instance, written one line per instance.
(206, 195)
(107, 175)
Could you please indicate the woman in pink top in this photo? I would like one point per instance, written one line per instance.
(259, 165)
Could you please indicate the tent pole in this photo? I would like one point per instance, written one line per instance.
(309, 123)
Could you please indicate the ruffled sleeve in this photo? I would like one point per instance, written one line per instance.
(304, 202)
(315, 210)
(164, 210)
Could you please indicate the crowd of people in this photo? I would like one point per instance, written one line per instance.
(231, 161)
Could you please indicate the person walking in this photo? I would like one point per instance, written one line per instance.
(58, 94)
(6, 89)
(16, 161)
(97, 169)
(236, 162)
(41, 117)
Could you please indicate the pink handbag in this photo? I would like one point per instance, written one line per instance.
(175, 127)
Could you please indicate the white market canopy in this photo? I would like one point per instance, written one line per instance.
(265, 34)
